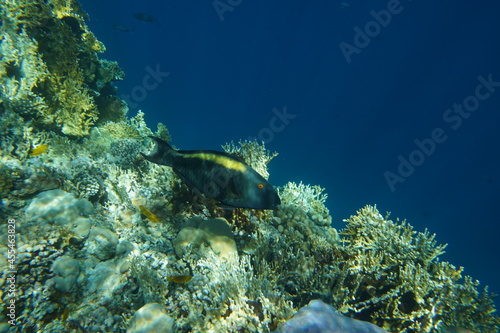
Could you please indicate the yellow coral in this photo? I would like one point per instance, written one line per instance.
(49, 70)
(122, 130)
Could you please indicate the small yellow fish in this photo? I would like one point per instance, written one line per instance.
(38, 150)
(64, 315)
(152, 217)
(179, 278)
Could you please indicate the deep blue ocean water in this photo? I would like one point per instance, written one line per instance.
(394, 103)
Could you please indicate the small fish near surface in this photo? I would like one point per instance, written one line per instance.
(218, 175)
(121, 28)
(145, 17)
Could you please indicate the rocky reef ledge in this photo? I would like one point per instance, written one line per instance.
(96, 239)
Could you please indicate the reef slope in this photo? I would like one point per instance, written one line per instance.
(106, 241)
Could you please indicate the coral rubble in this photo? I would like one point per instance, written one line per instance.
(89, 260)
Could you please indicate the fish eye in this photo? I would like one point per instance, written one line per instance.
(260, 185)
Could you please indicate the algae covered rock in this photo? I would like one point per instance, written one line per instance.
(216, 232)
(151, 318)
(102, 243)
(63, 209)
(66, 270)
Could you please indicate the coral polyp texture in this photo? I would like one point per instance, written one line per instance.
(107, 242)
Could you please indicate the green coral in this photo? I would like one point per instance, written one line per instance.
(50, 73)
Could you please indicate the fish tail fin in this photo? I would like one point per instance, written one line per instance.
(162, 153)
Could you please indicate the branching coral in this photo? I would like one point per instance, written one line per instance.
(392, 277)
(304, 196)
(226, 296)
(50, 73)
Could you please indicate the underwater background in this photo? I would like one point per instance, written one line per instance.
(375, 122)
(231, 66)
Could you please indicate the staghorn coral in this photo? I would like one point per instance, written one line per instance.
(224, 296)
(383, 272)
(303, 212)
(121, 130)
(309, 198)
(392, 277)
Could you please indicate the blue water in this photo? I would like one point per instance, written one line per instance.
(350, 117)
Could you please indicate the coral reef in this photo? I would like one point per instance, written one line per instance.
(89, 260)
(394, 272)
(50, 72)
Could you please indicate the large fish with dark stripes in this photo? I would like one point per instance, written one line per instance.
(218, 175)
